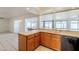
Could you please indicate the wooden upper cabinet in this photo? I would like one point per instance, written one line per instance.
(22, 43)
(56, 42)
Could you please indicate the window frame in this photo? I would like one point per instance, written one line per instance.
(31, 21)
(60, 21)
(77, 26)
(48, 24)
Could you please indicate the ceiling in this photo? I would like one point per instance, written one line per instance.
(9, 12)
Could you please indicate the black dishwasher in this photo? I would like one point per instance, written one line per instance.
(69, 43)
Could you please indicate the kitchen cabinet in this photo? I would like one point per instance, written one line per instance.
(56, 42)
(37, 40)
(22, 42)
(45, 39)
(42, 38)
(30, 43)
(52, 41)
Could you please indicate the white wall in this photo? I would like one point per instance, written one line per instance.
(21, 26)
(11, 26)
(4, 25)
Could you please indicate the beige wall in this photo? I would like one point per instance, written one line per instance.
(4, 25)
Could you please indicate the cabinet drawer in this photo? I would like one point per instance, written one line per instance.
(56, 36)
(37, 34)
(30, 36)
(21, 36)
(45, 35)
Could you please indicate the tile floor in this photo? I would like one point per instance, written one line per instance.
(42, 48)
(8, 42)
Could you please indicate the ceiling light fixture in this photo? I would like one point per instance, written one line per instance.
(27, 8)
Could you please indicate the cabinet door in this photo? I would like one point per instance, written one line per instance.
(30, 44)
(37, 41)
(55, 42)
(22, 43)
(42, 38)
(46, 39)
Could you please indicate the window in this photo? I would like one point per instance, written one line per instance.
(61, 16)
(27, 24)
(47, 17)
(64, 20)
(48, 24)
(46, 21)
(74, 25)
(31, 23)
(41, 24)
(34, 24)
(61, 24)
(74, 14)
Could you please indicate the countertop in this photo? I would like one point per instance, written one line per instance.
(29, 32)
(67, 33)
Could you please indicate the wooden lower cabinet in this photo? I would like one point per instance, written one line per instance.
(30, 44)
(42, 40)
(22, 43)
(56, 42)
(51, 40)
(37, 41)
(47, 39)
